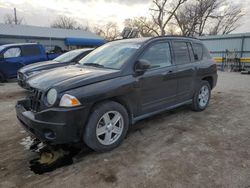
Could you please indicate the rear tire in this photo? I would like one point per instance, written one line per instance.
(107, 126)
(201, 97)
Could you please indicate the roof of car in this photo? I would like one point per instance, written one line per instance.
(17, 44)
(145, 39)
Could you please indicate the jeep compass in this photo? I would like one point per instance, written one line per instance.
(115, 86)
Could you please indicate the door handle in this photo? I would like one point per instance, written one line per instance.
(168, 72)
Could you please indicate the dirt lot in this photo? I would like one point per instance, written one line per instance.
(175, 149)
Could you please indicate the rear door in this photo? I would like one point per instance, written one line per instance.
(158, 85)
(186, 69)
(11, 62)
(33, 54)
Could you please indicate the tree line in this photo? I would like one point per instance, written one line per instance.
(174, 17)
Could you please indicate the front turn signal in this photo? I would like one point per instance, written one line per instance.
(69, 101)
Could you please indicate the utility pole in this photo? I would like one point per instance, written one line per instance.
(15, 17)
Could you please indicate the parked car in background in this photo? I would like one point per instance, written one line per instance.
(115, 86)
(15, 56)
(71, 57)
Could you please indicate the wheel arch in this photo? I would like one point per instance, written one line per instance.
(119, 99)
(209, 79)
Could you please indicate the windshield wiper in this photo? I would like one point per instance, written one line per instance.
(93, 64)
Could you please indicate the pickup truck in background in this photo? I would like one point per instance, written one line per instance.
(15, 56)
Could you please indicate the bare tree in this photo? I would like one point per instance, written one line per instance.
(10, 19)
(199, 17)
(146, 27)
(227, 20)
(162, 13)
(65, 22)
(186, 20)
(109, 31)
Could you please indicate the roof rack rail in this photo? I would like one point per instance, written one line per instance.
(181, 36)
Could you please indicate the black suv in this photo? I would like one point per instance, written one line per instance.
(114, 86)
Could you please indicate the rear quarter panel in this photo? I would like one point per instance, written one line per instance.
(207, 68)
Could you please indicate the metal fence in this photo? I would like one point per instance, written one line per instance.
(222, 45)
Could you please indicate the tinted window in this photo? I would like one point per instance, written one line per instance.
(158, 55)
(12, 52)
(30, 50)
(198, 51)
(181, 52)
(206, 54)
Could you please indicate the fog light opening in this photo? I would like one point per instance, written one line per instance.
(50, 135)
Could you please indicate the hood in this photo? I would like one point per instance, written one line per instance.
(70, 77)
(40, 66)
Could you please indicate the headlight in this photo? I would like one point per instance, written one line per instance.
(69, 101)
(51, 96)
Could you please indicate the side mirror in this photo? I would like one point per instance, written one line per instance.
(141, 66)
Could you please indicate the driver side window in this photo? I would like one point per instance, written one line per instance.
(158, 55)
(12, 52)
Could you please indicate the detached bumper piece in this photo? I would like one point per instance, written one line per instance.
(54, 125)
(51, 159)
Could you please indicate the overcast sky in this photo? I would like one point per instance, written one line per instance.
(89, 12)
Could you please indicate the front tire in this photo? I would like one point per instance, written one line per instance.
(2, 78)
(107, 126)
(201, 97)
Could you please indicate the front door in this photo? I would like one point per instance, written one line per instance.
(12, 61)
(158, 85)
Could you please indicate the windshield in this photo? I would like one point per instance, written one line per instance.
(1, 48)
(111, 55)
(68, 56)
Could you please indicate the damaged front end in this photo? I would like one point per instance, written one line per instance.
(53, 125)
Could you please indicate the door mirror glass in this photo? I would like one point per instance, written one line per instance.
(141, 66)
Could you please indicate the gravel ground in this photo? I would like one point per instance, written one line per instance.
(178, 149)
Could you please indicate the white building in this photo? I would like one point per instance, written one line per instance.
(49, 37)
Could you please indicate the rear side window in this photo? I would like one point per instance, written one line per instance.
(198, 51)
(206, 54)
(158, 55)
(31, 50)
(181, 52)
